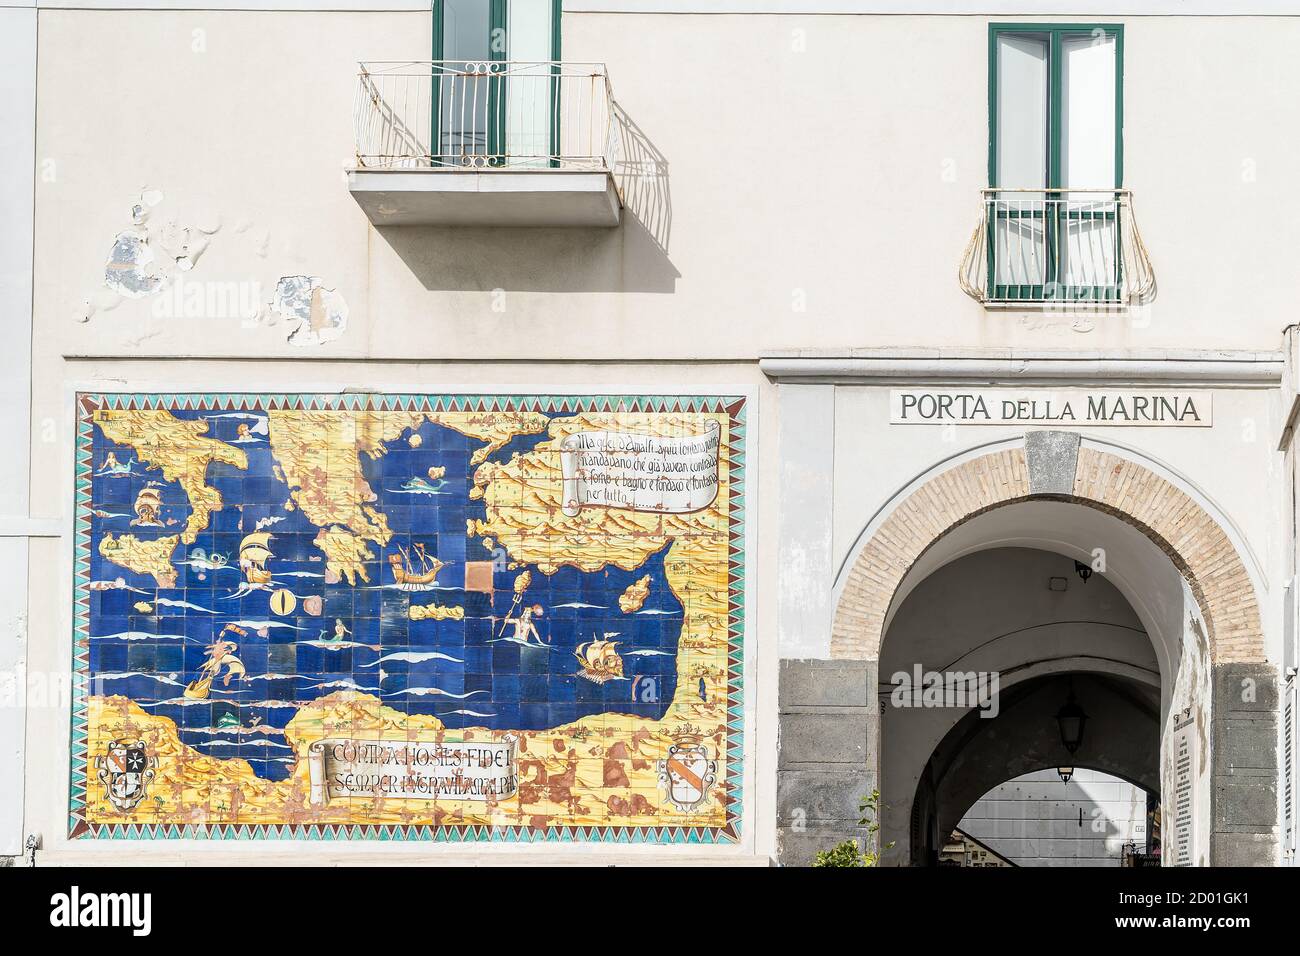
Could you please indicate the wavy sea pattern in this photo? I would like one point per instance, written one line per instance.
(148, 642)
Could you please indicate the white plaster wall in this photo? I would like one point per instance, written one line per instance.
(244, 122)
(823, 174)
(1033, 820)
(17, 118)
(874, 139)
(807, 439)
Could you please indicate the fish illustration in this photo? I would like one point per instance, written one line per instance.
(419, 486)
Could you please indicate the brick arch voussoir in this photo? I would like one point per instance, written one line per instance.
(1125, 489)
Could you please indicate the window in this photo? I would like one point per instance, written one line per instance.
(1055, 160)
(496, 90)
(1055, 106)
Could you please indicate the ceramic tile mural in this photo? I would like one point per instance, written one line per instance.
(437, 617)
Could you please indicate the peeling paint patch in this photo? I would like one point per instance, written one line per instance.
(316, 314)
(145, 258)
(132, 269)
(148, 199)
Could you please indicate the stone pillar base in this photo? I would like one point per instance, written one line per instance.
(829, 734)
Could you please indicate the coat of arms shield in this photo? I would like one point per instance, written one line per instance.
(687, 773)
(125, 770)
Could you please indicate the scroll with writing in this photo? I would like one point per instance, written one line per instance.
(412, 770)
(636, 472)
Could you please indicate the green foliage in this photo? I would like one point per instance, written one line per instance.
(847, 853)
(842, 854)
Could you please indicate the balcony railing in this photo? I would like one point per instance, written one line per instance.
(1076, 247)
(458, 115)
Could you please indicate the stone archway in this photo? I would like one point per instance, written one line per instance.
(1053, 464)
(977, 755)
(830, 716)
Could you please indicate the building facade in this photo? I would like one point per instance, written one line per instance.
(438, 429)
(1091, 819)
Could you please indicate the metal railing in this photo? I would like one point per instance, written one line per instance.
(1057, 246)
(489, 114)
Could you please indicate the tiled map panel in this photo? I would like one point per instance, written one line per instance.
(436, 617)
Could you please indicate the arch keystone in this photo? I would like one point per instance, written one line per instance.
(1052, 458)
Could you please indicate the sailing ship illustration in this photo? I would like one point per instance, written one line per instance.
(600, 661)
(418, 573)
(254, 552)
(221, 653)
(148, 506)
(199, 689)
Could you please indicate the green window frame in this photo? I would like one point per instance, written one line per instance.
(1055, 34)
(498, 19)
(1056, 218)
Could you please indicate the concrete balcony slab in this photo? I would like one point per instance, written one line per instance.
(487, 197)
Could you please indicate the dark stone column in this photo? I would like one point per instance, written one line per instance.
(1243, 773)
(829, 739)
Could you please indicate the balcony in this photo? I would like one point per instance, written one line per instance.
(486, 143)
(1075, 248)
